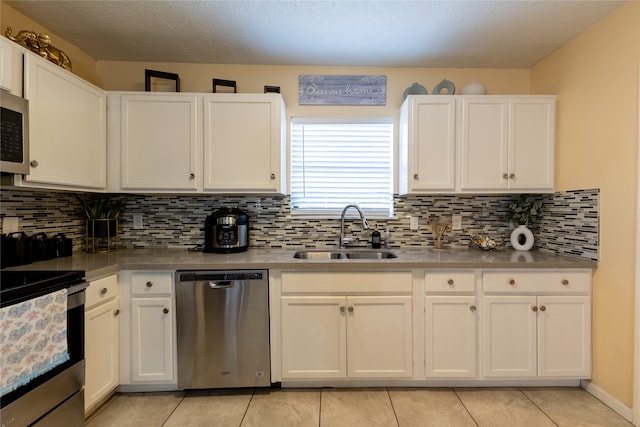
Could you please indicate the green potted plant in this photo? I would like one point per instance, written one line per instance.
(522, 212)
(102, 213)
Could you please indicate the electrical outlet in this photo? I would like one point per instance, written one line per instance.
(456, 222)
(414, 223)
(10, 224)
(137, 221)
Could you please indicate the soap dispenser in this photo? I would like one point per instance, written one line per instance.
(376, 241)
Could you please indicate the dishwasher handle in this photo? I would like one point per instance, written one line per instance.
(221, 284)
(219, 276)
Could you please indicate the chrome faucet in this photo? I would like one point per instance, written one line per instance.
(365, 225)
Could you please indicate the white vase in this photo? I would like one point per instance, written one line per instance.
(522, 238)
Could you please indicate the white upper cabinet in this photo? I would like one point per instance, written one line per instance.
(429, 159)
(477, 144)
(244, 143)
(159, 137)
(10, 66)
(195, 143)
(67, 128)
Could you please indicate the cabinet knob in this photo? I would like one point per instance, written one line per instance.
(350, 309)
(165, 310)
(505, 176)
(149, 284)
(192, 176)
(34, 163)
(116, 312)
(534, 308)
(512, 282)
(512, 176)
(103, 291)
(343, 309)
(472, 307)
(543, 308)
(273, 176)
(450, 282)
(565, 282)
(416, 176)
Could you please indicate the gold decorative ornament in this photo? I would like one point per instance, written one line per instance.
(40, 44)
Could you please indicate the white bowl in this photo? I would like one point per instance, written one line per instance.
(474, 88)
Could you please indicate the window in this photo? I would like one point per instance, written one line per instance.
(336, 162)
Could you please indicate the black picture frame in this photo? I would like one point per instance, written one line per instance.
(271, 89)
(225, 83)
(149, 74)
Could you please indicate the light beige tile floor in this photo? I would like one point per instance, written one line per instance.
(399, 407)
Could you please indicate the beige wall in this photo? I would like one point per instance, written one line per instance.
(83, 65)
(596, 79)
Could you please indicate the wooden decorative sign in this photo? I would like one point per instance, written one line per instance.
(342, 90)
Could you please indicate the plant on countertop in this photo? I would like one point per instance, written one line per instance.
(524, 210)
(101, 207)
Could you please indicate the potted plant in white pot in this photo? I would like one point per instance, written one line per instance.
(522, 212)
(102, 214)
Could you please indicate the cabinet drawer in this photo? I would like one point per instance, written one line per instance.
(101, 290)
(152, 283)
(449, 281)
(347, 282)
(531, 281)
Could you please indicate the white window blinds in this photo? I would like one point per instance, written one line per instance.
(336, 162)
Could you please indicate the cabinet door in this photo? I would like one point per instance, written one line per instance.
(431, 144)
(102, 351)
(152, 339)
(243, 139)
(531, 150)
(314, 337)
(10, 67)
(564, 336)
(509, 333)
(159, 142)
(67, 127)
(450, 336)
(484, 143)
(379, 336)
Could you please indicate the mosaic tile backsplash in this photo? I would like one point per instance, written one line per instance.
(569, 226)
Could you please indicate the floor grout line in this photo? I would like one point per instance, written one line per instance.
(536, 405)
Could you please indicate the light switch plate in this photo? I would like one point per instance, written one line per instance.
(414, 223)
(10, 224)
(456, 222)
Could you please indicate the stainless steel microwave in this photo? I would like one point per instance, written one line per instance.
(14, 133)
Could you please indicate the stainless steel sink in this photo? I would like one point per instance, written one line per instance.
(344, 254)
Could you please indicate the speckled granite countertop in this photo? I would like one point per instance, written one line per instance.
(99, 265)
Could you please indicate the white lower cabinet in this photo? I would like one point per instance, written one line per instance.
(148, 345)
(102, 336)
(340, 335)
(531, 335)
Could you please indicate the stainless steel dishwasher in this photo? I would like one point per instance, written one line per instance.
(223, 329)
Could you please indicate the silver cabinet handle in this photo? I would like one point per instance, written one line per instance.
(149, 284)
(34, 163)
(165, 310)
(116, 312)
(103, 291)
(472, 307)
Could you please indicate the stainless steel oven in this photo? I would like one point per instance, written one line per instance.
(56, 397)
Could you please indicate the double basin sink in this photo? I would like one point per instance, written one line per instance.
(344, 254)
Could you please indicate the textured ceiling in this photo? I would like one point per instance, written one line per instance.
(456, 34)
